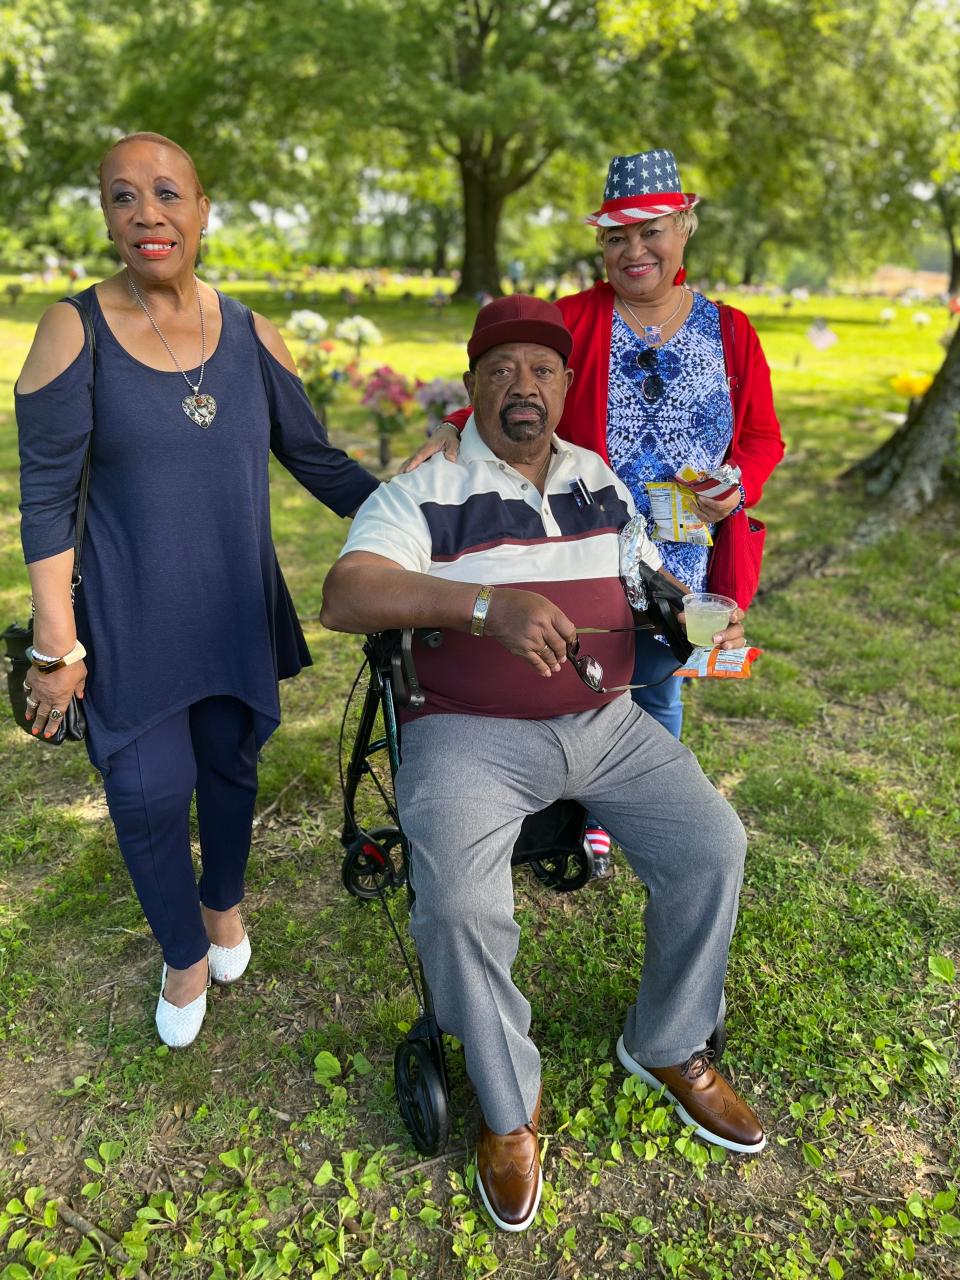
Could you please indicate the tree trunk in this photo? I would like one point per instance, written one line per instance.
(947, 203)
(908, 470)
(482, 208)
(441, 241)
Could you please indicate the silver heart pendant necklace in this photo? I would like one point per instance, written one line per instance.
(200, 409)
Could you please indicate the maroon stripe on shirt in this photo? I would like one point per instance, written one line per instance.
(468, 675)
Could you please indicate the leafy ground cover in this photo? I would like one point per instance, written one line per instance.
(274, 1147)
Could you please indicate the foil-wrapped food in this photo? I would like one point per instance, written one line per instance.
(633, 536)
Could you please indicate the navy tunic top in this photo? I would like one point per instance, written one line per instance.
(182, 597)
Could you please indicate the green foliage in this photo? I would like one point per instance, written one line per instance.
(274, 1147)
(398, 133)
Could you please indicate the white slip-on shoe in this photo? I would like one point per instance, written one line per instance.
(228, 963)
(178, 1026)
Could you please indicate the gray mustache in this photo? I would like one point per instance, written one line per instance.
(538, 409)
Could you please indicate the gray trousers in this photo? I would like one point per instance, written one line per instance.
(464, 788)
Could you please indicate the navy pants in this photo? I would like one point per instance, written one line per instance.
(662, 701)
(208, 749)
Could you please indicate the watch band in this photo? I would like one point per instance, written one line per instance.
(481, 607)
(45, 666)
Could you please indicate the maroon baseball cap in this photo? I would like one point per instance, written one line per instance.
(519, 318)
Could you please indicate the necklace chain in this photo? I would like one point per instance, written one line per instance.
(655, 331)
(203, 336)
(543, 470)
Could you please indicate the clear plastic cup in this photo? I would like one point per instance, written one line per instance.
(705, 615)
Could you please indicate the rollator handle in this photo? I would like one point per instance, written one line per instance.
(406, 686)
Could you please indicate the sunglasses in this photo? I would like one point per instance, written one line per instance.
(590, 670)
(652, 386)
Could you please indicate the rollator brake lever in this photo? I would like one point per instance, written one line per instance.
(406, 686)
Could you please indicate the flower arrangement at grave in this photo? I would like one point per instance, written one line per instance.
(309, 326)
(388, 396)
(319, 372)
(359, 332)
(911, 385)
(438, 398)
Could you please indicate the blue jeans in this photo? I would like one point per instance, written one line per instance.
(662, 701)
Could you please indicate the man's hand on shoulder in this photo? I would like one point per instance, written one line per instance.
(530, 626)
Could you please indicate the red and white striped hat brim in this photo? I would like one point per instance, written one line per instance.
(630, 209)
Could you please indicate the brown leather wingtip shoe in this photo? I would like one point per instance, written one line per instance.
(704, 1099)
(508, 1173)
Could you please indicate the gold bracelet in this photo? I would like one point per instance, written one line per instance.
(481, 607)
(45, 667)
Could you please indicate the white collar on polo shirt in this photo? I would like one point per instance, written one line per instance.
(473, 448)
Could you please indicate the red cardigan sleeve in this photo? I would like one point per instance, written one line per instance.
(459, 417)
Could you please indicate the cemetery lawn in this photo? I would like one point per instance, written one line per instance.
(274, 1147)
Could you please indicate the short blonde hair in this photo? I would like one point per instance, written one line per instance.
(685, 221)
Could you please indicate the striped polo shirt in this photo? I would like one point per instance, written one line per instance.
(478, 520)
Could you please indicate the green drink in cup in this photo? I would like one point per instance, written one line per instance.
(705, 615)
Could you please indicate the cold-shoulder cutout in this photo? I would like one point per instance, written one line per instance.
(269, 335)
(57, 343)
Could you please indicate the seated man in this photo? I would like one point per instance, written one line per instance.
(502, 549)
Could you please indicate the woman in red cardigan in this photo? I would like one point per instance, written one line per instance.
(664, 379)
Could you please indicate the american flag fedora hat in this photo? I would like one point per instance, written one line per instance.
(640, 187)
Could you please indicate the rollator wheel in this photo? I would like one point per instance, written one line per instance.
(565, 871)
(421, 1096)
(718, 1041)
(368, 869)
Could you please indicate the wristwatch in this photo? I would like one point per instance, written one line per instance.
(481, 607)
(45, 664)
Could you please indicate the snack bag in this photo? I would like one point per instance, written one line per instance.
(674, 515)
(720, 483)
(719, 664)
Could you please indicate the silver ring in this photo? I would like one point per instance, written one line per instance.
(27, 688)
(55, 714)
(33, 702)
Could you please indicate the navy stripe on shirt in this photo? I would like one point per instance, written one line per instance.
(485, 519)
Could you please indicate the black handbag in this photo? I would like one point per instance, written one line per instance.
(73, 723)
(664, 602)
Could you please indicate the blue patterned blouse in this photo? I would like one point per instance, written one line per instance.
(691, 423)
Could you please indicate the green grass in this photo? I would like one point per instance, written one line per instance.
(256, 1154)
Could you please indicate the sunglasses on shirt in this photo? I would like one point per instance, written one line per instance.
(590, 670)
(652, 386)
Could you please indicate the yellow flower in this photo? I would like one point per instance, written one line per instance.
(911, 385)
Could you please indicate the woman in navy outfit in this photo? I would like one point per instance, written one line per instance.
(182, 625)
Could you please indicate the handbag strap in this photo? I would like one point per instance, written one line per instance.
(91, 343)
(728, 339)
